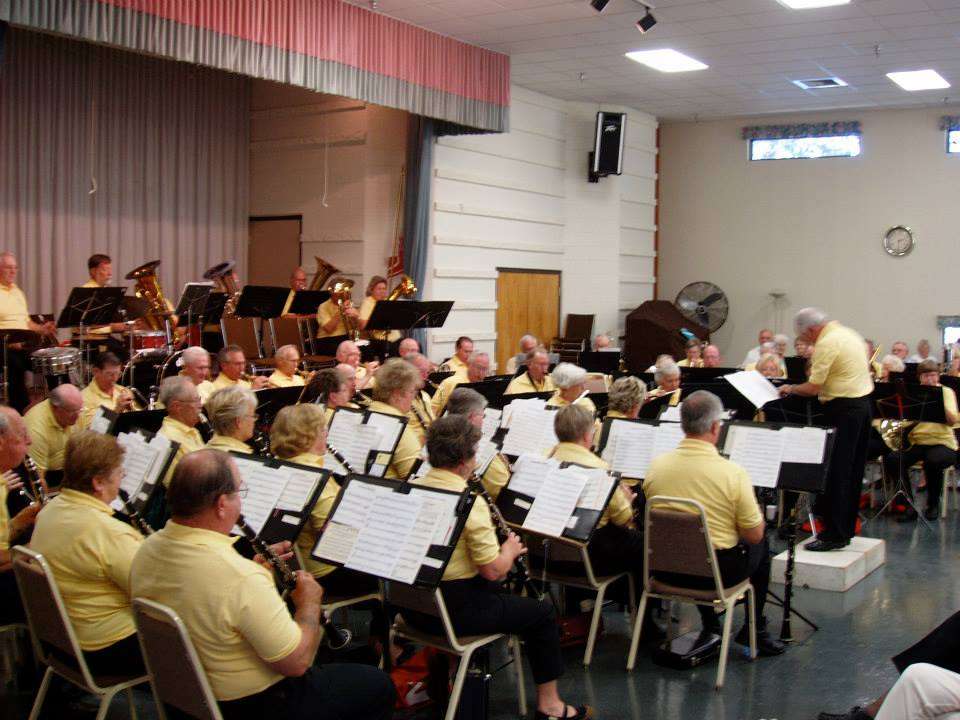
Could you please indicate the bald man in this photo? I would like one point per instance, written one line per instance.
(348, 353)
(298, 281)
(408, 346)
(51, 423)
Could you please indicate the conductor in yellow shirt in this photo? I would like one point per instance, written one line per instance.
(90, 552)
(534, 378)
(287, 358)
(840, 378)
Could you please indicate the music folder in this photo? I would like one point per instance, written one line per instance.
(491, 388)
(731, 398)
(607, 363)
(306, 302)
(702, 375)
(503, 400)
(407, 315)
(213, 310)
(652, 408)
(148, 420)
(146, 459)
(261, 301)
(91, 306)
(271, 400)
(406, 533)
(193, 302)
(900, 401)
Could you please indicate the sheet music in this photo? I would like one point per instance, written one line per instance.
(390, 427)
(353, 439)
(629, 447)
(486, 452)
(529, 472)
(759, 452)
(491, 422)
(100, 423)
(753, 386)
(666, 439)
(163, 445)
(337, 542)
(517, 406)
(803, 445)
(556, 501)
(596, 490)
(300, 486)
(531, 431)
(355, 501)
(446, 508)
(418, 543)
(380, 544)
(138, 460)
(671, 413)
(265, 485)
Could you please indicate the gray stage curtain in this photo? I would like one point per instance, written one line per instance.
(107, 151)
(416, 211)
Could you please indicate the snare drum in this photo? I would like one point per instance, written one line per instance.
(56, 365)
(149, 340)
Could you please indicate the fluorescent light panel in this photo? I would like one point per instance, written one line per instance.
(666, 60)
(919, 80)
(809, 4)
(819, 83)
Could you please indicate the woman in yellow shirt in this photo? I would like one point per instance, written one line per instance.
(232, 413)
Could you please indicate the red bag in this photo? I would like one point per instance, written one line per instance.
(410, 680)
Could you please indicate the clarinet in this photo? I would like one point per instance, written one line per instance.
(261, 444)
(338, 456)
(337, 638)
(37, 493)
(519, 575)
(135, 518)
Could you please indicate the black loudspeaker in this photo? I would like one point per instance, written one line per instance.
(607, 155)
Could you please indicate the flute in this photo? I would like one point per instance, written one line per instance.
(135, 518)
(336, 637)
(338, 456)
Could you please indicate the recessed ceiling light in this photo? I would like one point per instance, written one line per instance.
(819, 83)
(919, 80)
(666, 60)
(599, 5)
(808, 4)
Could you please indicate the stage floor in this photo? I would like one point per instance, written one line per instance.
(845, 662)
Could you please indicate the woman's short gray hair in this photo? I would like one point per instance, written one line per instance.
(572, 423)
(666, 369)
(464, 401)
(699, 412)
(626, 394)
(395, 375)
(893, 363)
(567, 375)
(228, 405)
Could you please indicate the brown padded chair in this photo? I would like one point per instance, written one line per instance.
(54, 641)
(678, 541)
(176, 675)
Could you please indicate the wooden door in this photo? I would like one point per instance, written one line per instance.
(273, 250)
(528, 301)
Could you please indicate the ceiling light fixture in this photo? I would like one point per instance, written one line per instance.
(647, 22)
(810, 4)
(819, 83)
(599, 5)
(666, 60)
(919, 80)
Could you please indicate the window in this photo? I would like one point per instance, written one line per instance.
(953, 141)
(808, 147)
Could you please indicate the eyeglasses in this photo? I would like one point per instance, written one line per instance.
(242, 490)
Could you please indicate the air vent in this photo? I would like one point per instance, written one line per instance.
(819, 83)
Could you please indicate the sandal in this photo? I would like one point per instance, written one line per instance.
(583, 712)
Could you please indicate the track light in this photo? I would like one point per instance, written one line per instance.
(646, 23)
(599, 5)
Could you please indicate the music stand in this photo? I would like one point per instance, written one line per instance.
(731, 398)
(607, 363)
(492, 390)
(261, 302)
(271, 400)
(796, 368)
(193, 303)
(304, 306)
(651, 409)
(90, 306)
(702, 375)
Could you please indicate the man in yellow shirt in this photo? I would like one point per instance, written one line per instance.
(14, 441)
(50, 424)
(408, 346)
(348, 353)
(298, 281)
(527, 343)
(233, 365)
(90, 551)
(933, 444)
(287, 358)
(695, 470)
(421, 409)
(330, 319)
(258, 659)
(471, 588)
(195, 364)
(462, 350)
(104, 391)
(100, 267)
(840, 378)
(182, 401)
(534, 378)
(477, 369)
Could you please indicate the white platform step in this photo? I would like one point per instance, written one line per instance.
(838, 570)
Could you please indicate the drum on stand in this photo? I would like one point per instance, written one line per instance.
(149, 340)
(56, 366)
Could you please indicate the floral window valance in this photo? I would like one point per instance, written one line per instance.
(950, 122)
(801, 130)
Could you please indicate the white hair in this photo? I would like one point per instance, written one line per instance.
(893, 363)
(808, 318)
(285, 351)
(193, 354)
(666, 369)
(566, 375)
(699, 412)
(174, 388)
(782, 339)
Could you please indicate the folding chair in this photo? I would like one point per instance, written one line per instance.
(54, 642)
(676, 541)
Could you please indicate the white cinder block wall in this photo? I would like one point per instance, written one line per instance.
(521, 200)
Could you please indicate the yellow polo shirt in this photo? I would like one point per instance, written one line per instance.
(695, 470)
(312, 528)
(618, 510)
(278, 379)
(442, 393)
(205, 390)
(90, 552)
(929, 433)
(457, 365)
(496, 477)
(839, 365)
(228, 444)
(230, 606)
(422, 409)
(477, 544)
(223, 381)
(524, 384)
(4, 519)
(408, 448)
(93, 398)
(325, 313)
(13, 308)
(584, 402)
(48, 437)
(188, 437)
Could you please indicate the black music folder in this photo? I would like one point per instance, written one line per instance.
(193, 303)
(407, 315)
(306, 302)
(261, 301)
(607, 363)
(498, 403)
(899, 401)
(271, 400)
(491, 388)
(148, 420)
(702, 375)
(731, 398)
(796, 368)
(652, 408)
(91, 306)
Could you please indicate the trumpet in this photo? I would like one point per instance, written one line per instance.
(136, 519)
(339, 457)
(337, 638)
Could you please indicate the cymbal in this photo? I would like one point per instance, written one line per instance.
(20, 336)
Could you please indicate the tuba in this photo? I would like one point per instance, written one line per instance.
(222, 276)
(147, 288)
(324, 272)
(404, 289)
(341, 292)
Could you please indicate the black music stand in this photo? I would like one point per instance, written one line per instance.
(271, 400)
(90, 306)
(193, 303)
(492, 390)
(607, 363)
(702, 375)
(651, 409)
(304, 306)
(796, 368)
(731, 398)
(899, 402)
(148, 420)
(263, 303)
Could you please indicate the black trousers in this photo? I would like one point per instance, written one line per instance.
(338, 691)
(840, 504)
(18, 362)
(736, 565)
(478, 607)
(935, 458)
(11, 610)
(121, 658)
(940, 647)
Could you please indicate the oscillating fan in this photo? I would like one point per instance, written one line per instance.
(703, 303)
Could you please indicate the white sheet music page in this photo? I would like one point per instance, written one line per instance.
(265, 485)
(556, 501)
(382, 539)
(100, 422)
(516, 406)
(666, 439)
(491, 422)
(671, 413)
(803, 445)
(301, 483)
(633, 448)
(529, 472)
(753, 386)
(486, 452)
(138, 458)
(531, 431)
(355, 502)
(418, 543)
(758, 451)
(390, 427)
(596, 490)
(164, 447)
(446, 508)
(336, 543)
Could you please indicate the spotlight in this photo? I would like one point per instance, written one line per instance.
(647, 22)
(599, 5)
